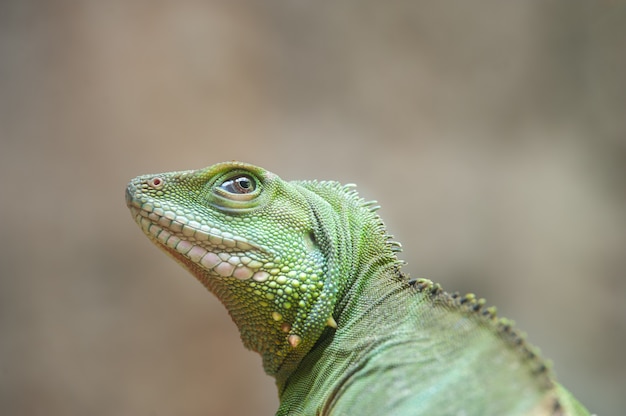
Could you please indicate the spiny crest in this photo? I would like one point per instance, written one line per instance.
(473, 306)
(348, 195)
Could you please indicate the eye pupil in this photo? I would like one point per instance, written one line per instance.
(239, 185)
(243, 183)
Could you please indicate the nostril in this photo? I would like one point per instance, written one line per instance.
(156, 183)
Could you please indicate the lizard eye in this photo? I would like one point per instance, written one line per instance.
(243, 184)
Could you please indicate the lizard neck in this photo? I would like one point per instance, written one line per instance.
(358, 252)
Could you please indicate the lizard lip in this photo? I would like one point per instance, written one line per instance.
(218, 262)
(131, 197)
(128, 196)
(131, 201)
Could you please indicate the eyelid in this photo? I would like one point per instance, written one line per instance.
(231, 188)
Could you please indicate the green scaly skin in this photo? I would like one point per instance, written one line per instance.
(312, 281)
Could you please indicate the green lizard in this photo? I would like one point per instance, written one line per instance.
(311, 278)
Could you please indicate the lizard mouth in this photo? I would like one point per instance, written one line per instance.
(217, 253)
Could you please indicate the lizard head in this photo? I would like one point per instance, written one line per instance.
(256, 242)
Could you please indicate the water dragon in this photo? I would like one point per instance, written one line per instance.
(312, 280)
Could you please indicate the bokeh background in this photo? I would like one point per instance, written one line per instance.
(492, 133)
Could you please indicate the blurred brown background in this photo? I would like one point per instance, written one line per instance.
(492, 133)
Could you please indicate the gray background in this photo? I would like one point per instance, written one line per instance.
(492, 133)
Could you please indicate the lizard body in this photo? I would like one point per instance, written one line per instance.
(310, 276)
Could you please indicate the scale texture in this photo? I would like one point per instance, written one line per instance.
(310, 276)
